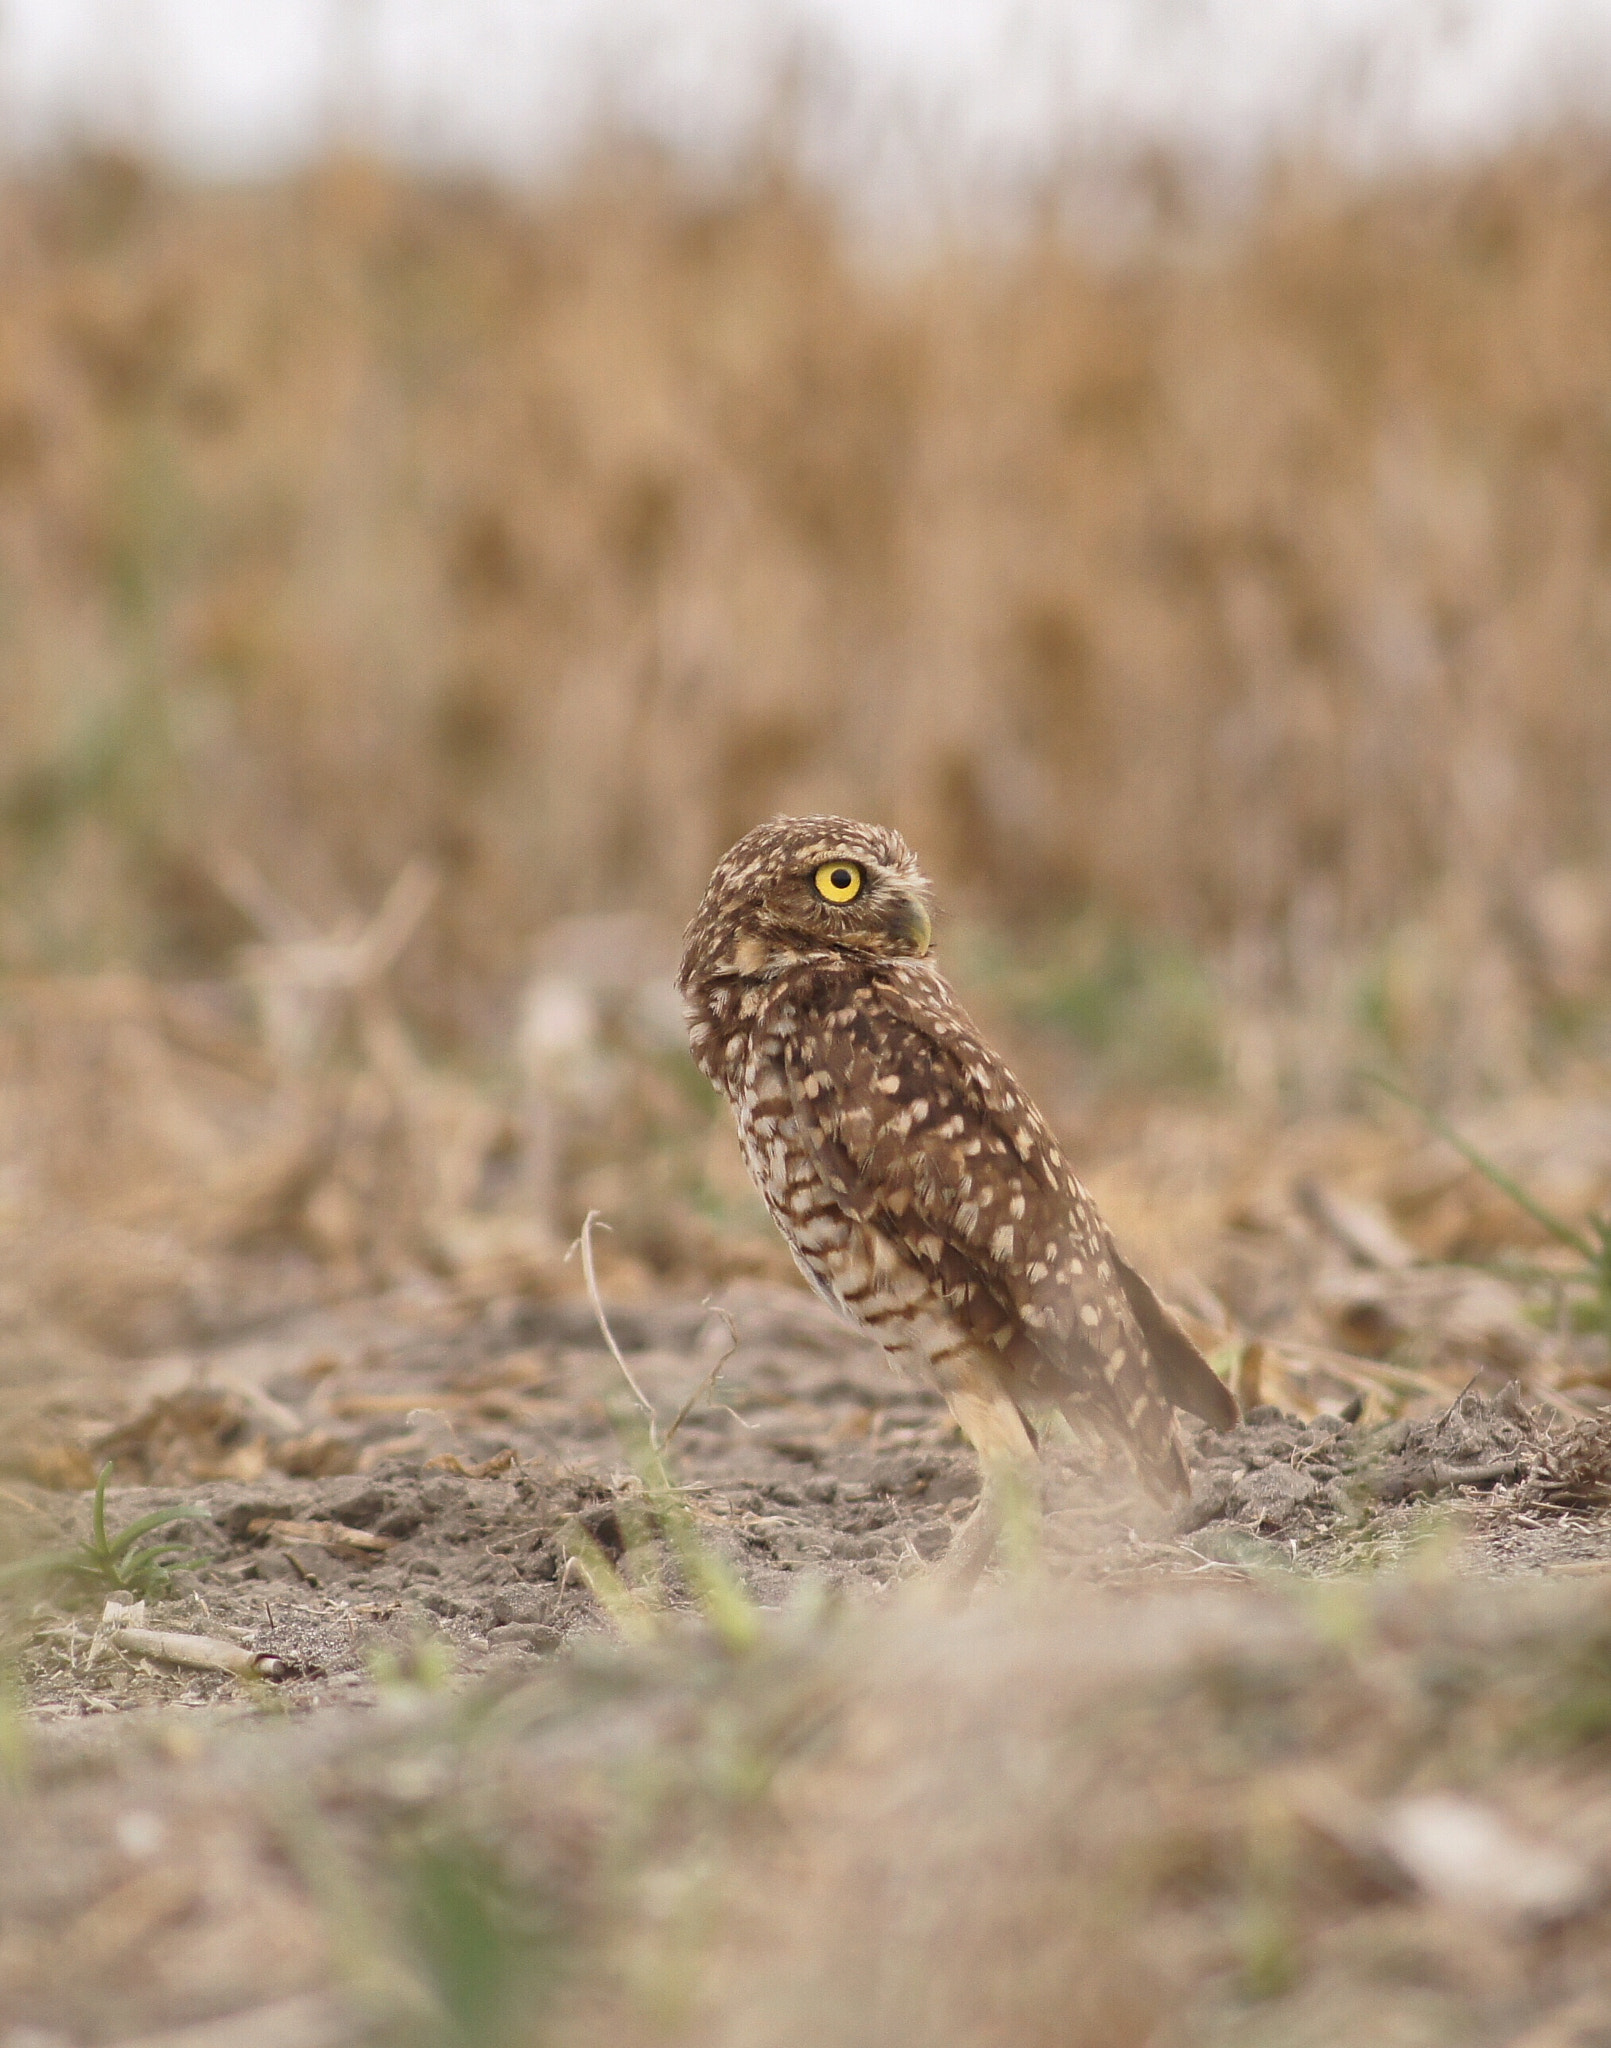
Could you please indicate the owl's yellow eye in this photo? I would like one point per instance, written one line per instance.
(838, 881)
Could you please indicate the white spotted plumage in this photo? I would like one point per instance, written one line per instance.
(915, 1183)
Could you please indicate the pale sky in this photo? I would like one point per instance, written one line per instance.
(973, 90)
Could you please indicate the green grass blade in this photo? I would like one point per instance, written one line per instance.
(718, 1590)
(158, 1518)
(98, 1515)
(46, 1561)
(1529, 1204)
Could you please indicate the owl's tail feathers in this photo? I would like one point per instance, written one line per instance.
(1184, 1376)
(1161, 1464)
(1134, 1396)
(1128, 1411)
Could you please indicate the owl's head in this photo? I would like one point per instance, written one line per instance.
(803, 886)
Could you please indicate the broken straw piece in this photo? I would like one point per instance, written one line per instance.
(333, 1535)
(199, 1653)
(1464, 1854)
(117, 1613)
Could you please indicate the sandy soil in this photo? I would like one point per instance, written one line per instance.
(473, 1450)
(416, 1504)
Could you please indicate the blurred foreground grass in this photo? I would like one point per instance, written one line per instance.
(1267, 1815)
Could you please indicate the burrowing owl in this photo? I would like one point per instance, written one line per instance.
(918, 1187)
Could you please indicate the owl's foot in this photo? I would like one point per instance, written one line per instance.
(1008, 1516)
(1006, 1522)
(971, 1548)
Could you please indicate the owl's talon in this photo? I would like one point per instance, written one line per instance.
(1006, 1522)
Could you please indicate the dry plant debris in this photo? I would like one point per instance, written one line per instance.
(1227, 1781)
(1246, 584)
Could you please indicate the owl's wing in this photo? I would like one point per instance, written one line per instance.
(1187, 1378)
(921, 1130)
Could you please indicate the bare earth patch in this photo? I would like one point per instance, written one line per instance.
(462, 1811)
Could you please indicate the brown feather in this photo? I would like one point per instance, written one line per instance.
(916, 1183)
(1187, 1378)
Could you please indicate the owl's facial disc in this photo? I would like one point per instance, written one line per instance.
(799, 888)
(855, 901)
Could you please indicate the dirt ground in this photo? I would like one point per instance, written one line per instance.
(532, 1733)
(462, 1451)
(433, 1519)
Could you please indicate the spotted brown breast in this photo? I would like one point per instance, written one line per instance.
(921, 1190)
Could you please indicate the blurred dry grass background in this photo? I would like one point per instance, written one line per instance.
(1223, 616)
(1250, 584)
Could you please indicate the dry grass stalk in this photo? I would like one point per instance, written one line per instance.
(584, 1245)
(197, 1653)
(1256, 594)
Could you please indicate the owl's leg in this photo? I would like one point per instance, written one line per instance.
(991, 1420)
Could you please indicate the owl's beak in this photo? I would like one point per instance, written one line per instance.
(913, 926)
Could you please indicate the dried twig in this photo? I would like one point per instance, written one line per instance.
(710, 1379)
(332, 1535)
(1363, 1230)
(348, 960)
(658, 1439)
(309, 2020)
(585, 1244)
(277, 921)
(1368, 1374)
(304, 979)
(18, 1500)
